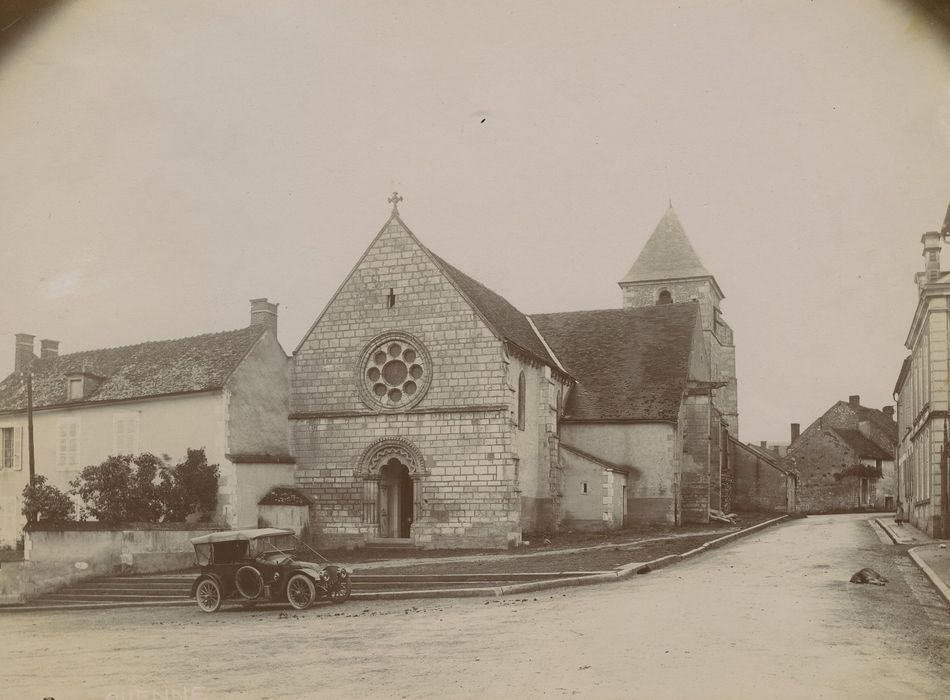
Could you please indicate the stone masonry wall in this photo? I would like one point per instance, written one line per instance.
(717, 334)
(817, 457)
(757, 485)
(467, 496)
(695, 471)
(641, 294)
(462, 426)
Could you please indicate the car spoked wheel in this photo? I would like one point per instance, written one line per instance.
(208, 596)
(340, 591)
(301, 592)
(249, 582)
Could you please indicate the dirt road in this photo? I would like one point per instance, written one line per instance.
(771, 616)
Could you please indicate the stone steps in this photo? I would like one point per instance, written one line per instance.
(164, 589)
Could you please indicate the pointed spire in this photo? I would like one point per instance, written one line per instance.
(668, 254)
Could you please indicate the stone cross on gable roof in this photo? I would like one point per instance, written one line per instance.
(395, 200)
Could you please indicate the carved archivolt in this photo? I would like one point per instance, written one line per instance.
(381, 451)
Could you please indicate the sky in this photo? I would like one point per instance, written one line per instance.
(163, 163)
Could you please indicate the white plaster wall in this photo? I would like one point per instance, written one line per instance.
(169, 426)
(530, 444)
(254, 481)
(648, 447)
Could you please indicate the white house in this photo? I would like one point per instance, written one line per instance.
(225, 392)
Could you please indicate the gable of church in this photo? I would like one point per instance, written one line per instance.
(400, 333)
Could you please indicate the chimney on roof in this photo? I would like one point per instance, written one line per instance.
(854, 401)
(49, 348)
(931, 241)
(796, 431)
(763, 444)
(264, 313)
(888, 411)
(24, 351)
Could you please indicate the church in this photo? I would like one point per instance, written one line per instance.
(427, 409)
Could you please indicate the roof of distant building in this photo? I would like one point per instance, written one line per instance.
(667, 254)
(878, 418)
(156, 368)
(630, 364)
(862, 445)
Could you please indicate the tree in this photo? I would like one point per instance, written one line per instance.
(43, 502)
(144, 489)
(190, 487)
(123, 488)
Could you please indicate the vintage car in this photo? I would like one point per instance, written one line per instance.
(260, 565)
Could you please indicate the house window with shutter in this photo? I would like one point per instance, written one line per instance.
(11, 448)
(125, 434)
(67, 452)
(6, 448)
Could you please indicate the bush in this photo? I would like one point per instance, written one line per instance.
(190, 487)
(121, 489)
(144, 489)
(45, 503)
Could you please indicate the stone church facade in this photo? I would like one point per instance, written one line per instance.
(427, 408)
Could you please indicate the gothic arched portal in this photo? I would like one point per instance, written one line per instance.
(392, 470)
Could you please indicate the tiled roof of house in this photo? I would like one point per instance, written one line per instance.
(504, 318)
(668, 254)
(862, 445)
(156, 368)
(630, 364)
(880, 419)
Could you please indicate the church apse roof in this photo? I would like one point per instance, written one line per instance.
(630, 364)
(667, 254)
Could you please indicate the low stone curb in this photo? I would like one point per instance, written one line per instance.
(895, 537)
(930, 573)
(621, 573)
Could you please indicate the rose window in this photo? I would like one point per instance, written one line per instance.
(395, 371)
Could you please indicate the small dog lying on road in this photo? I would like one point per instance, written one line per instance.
(868, 576)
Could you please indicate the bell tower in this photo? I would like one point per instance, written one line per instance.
(669, 271)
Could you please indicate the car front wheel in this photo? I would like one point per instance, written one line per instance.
(341, 591)
(208, 596)
(301, 592)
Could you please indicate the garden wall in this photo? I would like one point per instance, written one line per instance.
(55, 557)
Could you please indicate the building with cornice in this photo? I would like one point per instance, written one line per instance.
(427, 409)
(923, 450)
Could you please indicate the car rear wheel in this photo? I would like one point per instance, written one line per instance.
(341, 591)
(301, 592)
(208, 596)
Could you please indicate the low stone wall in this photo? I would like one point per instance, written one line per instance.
(296, 518)
(57, 557)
